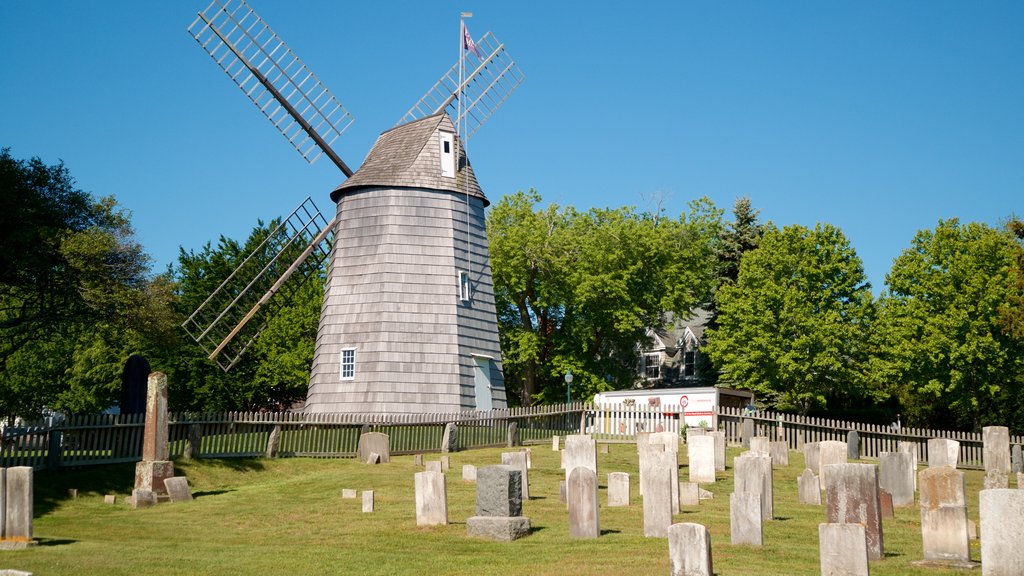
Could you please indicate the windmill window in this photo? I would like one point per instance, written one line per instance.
(447, 140)
(465, 291)
(348, 363)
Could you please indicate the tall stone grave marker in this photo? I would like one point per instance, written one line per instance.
(1002, 523)
(16, 514)
(701, 455)
(719, 437)
(518, 460)
(809, 488)
(746, 431)
(745, 518)
(851, 497)
(374, 443)
(670, 440)
(843, 550)
(584, 519)
(656, 481)
(618, 489)
(852, 445)
(896, 476)
(580, 450)
(689, 494)
(760, 445)
(943, 452)
(1016, 461)
(156, 465)
(499, 505)
(996, 455)
(910, 448)
(450, 438)
(754, 474)
(644, 450)
(812, 457)
(944, 517)
(431, 498)
(689, 550)
(780, 454)
(831, 452)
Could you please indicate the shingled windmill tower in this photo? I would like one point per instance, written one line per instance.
(408, 321)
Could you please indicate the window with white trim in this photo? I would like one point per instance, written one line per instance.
(348, 363)
(652, 365)
(465, 290)
(447, 143)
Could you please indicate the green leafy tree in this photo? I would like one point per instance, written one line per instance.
(952, 362)
(795, 326)
(1011, 313)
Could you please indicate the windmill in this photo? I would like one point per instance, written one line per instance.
(407, 323)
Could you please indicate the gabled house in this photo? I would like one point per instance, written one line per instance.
(673, 357)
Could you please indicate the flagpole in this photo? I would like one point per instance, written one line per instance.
(460, 129)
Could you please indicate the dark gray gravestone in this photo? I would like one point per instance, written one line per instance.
(1016, 461)
(852, 445)
(499, 491)
(746, 431)
(134, 379)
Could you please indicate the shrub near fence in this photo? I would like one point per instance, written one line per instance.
(107, 439)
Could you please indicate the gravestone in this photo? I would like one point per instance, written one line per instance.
(643, 451)
(996, 456)
(852, 445)
(109, 499)
(155, 466)
(580, 450)
(518, 460)
(780, 454)
(349, 493)
(142, 498)
(670, 440)
(719, 450)
(754, 474)
(513, 435)
(910, 448)
(812, 456)
(1016, 461)
(431, 499)
(273, 442)
(691, 432)
(851, 497)
(468, 473)
(561, 492)
(374, 443)
(373, 459)
(701, 455)
(689, 494)
(417, 460)
(446, 463)
(584, 520)
(831, 452)
(689, 550)
(194, 442)
(16, 520)
(656, 483)
(896, 476)
(499, 505)
(1002, 523)
(745, 518)
(134, 385)
(809, 488)
(760, 445)
(843, 549)
(604, 448)
(618, 489)
(529, 457)
(434, 466)
(177, 489)
(367, 501)
(943, 452)
(885, 504)
(746, 432)
(554, 443)
(944, 530)
(450, 438)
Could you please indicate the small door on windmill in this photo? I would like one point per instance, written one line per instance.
(483, 383)
(447, 144)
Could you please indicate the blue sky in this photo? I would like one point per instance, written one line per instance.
(878, 117)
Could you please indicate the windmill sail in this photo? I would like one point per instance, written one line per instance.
(273, 77)
(492, 79)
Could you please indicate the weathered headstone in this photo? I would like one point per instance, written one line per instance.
(1002, 523)
(584, 520)
(433, 466)
(529, 457)
(851, 496)
(831, 452)
(809, 488)
(554, 443)
(996, 456)
(618, 489)
(746, 431)
(656, 490)
(760, 445)
(562, 497)
(513, 435)
(852, 445)
(142, 498)
(109, 499)
(155, 466)
(367, 501)
(719, 450)
(705, 494)
(431, 499)
(943, 452)
(689, 550)
(273, 442)
(944, 530)
(194, 442)
(670, 440)
(689, 494)
(843, 549)
(374, 443)
(417, 460)
(780, 454)
(177, 489)
(73, 493)
(701, 455)
(18, 504)
(910, 448)
(1016, 460)
(896, 476)
(580, 450)
(349, 493)
(754, 474)
(745, 518)
(499, 505)
(446, 462)
(450, 438)
(518, 460)
(643, 451)
(691, 432)
(374, 458)
(468, 473)
(885, 504)
(812, 457)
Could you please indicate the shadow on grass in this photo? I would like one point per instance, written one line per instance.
(237, 464)
(51, 488)
(607, 532)
(54, 541)
(210, 493)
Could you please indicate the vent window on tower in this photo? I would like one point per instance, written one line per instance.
(447, 154)
(348, 363)
(465, 292)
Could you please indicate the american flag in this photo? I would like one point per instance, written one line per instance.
(467, 41)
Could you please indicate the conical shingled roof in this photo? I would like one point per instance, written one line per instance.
(408, 156)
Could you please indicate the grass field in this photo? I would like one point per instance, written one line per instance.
(287, 516)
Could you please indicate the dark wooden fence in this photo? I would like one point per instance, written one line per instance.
(106, 439)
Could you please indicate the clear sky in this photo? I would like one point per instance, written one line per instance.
(878, 117)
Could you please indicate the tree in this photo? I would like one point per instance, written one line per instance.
(576, 291)
(740, 236)
(943, 346)
(1011, 313)
(795, 325)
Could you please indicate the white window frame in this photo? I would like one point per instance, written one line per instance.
(647, 365)
(447, 158)
(344, 363)
(465, 289)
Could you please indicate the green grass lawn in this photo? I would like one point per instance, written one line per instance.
(287, 516)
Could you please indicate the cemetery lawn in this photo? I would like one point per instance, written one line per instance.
(286, 516)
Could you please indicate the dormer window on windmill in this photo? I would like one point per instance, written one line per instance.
(447, 143)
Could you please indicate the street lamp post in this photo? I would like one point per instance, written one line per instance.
(568, 387)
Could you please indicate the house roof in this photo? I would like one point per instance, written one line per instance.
(677, 328)
(408, 156)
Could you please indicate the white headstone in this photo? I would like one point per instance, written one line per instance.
(843, 549)
(896, 476)
(830, 452)
(754, 474)
(618, 489)
(584, 520)
(943, 452)
(719, 450)
(689, 550)
(996, 456)
(657, 494)
(580, 450)
(809, 488)
(745, 520)
(701, 454)
(431, 498)
(944, 530)
(1002, 523)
